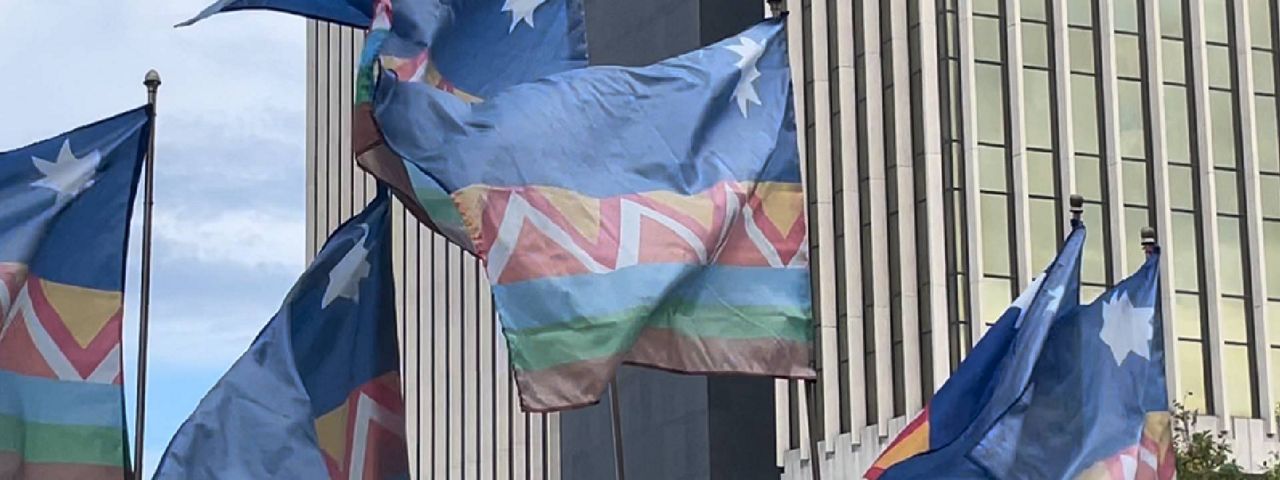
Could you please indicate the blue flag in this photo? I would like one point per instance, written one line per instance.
(317, 395)
(464, 49)
(648, 215)
(469, 49)
(352, 13)
(989, 381)
(1097, 405)
(65, 205)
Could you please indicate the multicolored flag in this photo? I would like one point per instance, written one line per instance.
(650, 215)
(1097, 405)
(985, 382)
(64, 224)
(468, 48)
(317, 395)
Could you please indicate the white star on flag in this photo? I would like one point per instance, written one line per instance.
(68, 175)
(749, 52)
(345, 277)
(1125, 328)
(521, 10)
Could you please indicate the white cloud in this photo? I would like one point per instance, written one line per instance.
(229, 207)
(234, 238)
(204, 342)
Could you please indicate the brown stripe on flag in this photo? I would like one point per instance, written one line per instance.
(12, 467)
(667, 349)
(373, 155)
(581, 383)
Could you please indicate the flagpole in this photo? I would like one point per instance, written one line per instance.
(616, 413)
(152, 82)
(1149, 240)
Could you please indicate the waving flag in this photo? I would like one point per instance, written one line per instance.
(470, 49)
(645, 215)
(934, 442)
(64, 223)
(1097, 406)
(352, 13)
(318, 393)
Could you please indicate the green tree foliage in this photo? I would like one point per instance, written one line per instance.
(1207, 455)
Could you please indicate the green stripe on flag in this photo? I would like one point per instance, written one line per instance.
(599, 337)
(48, 443)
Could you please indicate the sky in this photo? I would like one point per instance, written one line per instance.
(229, 186)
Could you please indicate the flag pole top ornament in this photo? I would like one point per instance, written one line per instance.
(1149, 240)
(152, 80)
(1077, 206)
(777, 7)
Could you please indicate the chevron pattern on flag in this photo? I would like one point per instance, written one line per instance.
(732, 223)
(1151, 459)
(73, 331)
(363, 439)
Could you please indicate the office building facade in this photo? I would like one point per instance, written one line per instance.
(942, 139)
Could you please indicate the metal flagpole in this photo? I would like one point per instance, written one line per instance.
(616, 412)
(152, 82)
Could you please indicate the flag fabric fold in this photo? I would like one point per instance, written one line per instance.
(64, 226)
(352, 13)
(470, 49)
(1097, 406)
(988, 381)
(317, 394)
(649, 215)
(1089, 402)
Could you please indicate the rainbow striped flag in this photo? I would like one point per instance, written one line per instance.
(651, 216)
(64, 226)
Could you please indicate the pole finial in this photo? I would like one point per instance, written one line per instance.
(1148, 240)
(777, 7)
(1077, 206)
(152, 81)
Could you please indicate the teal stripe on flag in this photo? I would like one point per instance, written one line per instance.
(43, 443)
(56, 402)
(543, 302)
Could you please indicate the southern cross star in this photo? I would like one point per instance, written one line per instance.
(67, 175)
(521, 10)
(1125, 328)
(345, 276)
(749, 52)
